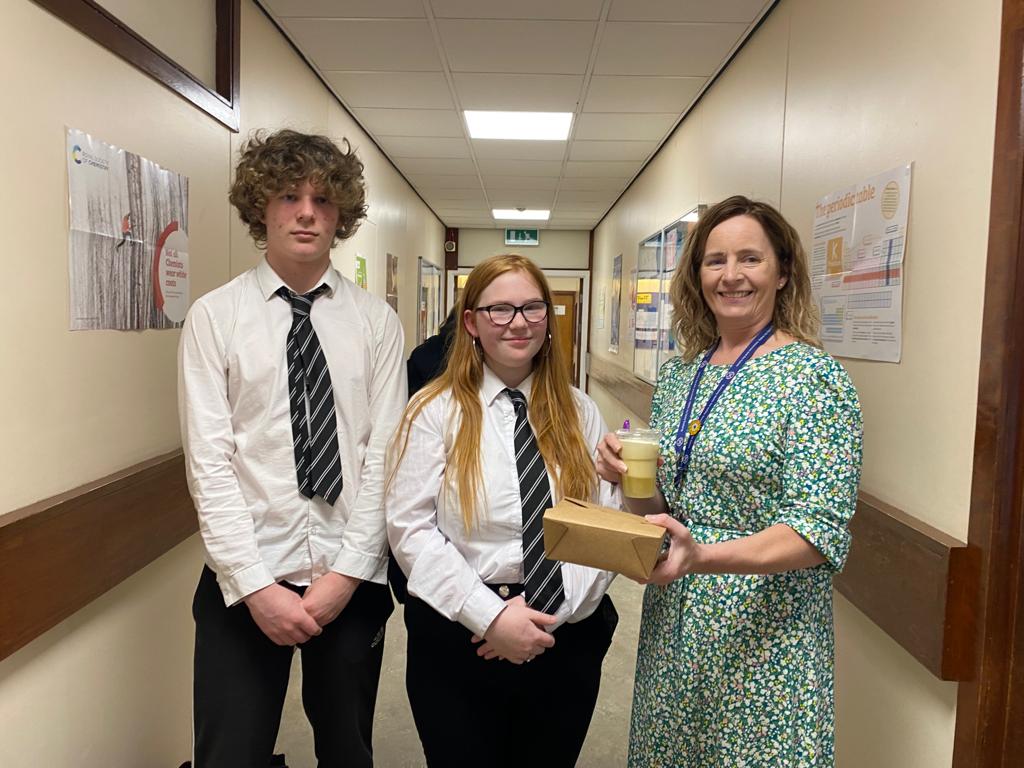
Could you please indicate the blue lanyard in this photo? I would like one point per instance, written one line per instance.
(689, 428)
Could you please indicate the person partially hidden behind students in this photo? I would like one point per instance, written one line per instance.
(291, 382)
(504, 646)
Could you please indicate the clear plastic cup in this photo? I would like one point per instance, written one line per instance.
(640, 448)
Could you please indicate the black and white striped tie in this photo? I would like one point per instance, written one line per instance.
(311, 401)
(542, 577)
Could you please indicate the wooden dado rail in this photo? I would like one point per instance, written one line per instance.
(915, 582)
(58, 555)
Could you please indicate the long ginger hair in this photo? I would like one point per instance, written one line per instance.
(560, 439)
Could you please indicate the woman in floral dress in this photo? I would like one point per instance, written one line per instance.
(761, 460)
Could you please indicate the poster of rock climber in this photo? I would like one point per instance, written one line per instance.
(128, 239)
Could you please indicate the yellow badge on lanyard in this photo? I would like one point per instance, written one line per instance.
(694, 427)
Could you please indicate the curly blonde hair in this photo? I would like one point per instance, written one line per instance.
(796, 312)
(269, 165)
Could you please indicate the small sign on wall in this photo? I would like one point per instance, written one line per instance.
(522, 237)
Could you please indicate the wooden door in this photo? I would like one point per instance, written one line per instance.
(565, 311)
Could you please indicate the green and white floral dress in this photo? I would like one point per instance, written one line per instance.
(737, 671)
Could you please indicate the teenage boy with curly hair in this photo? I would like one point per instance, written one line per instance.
(291, 381)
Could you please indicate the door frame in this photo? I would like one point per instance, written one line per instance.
(990, 706)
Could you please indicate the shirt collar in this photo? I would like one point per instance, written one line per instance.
(270, 281)
(492, 386)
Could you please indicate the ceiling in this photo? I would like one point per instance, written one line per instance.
(628, 70)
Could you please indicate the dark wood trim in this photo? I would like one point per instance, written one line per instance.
(590, 303)
(451, 260)
(100, 25)
(990, 708)
(60, 554)
(625, 386)
(916, 582)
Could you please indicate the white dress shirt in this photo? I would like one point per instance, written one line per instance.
(448, 565)
(257, 528)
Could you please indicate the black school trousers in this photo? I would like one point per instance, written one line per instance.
(241, 678)
(470, 711)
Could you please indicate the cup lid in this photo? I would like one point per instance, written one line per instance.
(647, 435)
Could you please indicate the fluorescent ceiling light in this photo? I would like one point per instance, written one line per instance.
(692, 216)
(522, 214)
(533, 126)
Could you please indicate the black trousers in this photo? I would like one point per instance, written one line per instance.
(241, 678)
(469, 711)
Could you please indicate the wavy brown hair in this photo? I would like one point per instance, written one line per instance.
(270, 164)
(560, 439)
(796, 312)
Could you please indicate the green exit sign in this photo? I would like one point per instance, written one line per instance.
(522, 237)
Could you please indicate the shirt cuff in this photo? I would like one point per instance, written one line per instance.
(480, 610)
(361, 566)
(244, 582)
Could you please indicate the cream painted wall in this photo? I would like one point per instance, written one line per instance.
(185, 30)
(825, 94)
(110, 685)
(558, 249)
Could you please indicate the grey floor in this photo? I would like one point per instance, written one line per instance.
(395, 742)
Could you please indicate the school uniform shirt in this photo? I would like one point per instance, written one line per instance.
(449, 565)
(257, 529)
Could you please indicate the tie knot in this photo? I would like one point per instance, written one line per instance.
(301, 302)
(518, 398)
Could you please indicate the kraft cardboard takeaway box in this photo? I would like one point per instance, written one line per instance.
(580, 532)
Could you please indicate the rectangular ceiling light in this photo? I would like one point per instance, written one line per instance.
(532, 126)
(525, 214)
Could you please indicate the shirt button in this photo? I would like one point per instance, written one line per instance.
(503, 590)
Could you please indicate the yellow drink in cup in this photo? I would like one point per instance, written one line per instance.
(640, 448)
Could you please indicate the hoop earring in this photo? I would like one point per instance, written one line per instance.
(547, 347)
(477, 347)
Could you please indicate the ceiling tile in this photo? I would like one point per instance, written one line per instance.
(442, 181)
(417, 146)
(533, 93)
(601, 169)
(521, 9)
(397, 90)
(590, 196)
(523, 200)
(364, 44)
(498, 149)
(471, 207)
(604, 126)
(420, 165)
(499, 183)
(608, 93)
(348, 9)
(596, 183)
(646, 48)
(636, 151)
(579, 209)
(685, 10)
(539, 47)
(453, 194)
(405, 122)
(519, 167)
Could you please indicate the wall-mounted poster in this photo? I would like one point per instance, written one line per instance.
(360, 278)
(128, 239)
(613, 343)
(391, 294)
(860, 237)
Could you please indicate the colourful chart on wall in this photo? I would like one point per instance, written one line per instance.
(857, 255)
(128, 254)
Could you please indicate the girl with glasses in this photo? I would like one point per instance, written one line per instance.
(504, 646)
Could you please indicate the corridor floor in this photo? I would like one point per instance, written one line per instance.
(395, 742)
